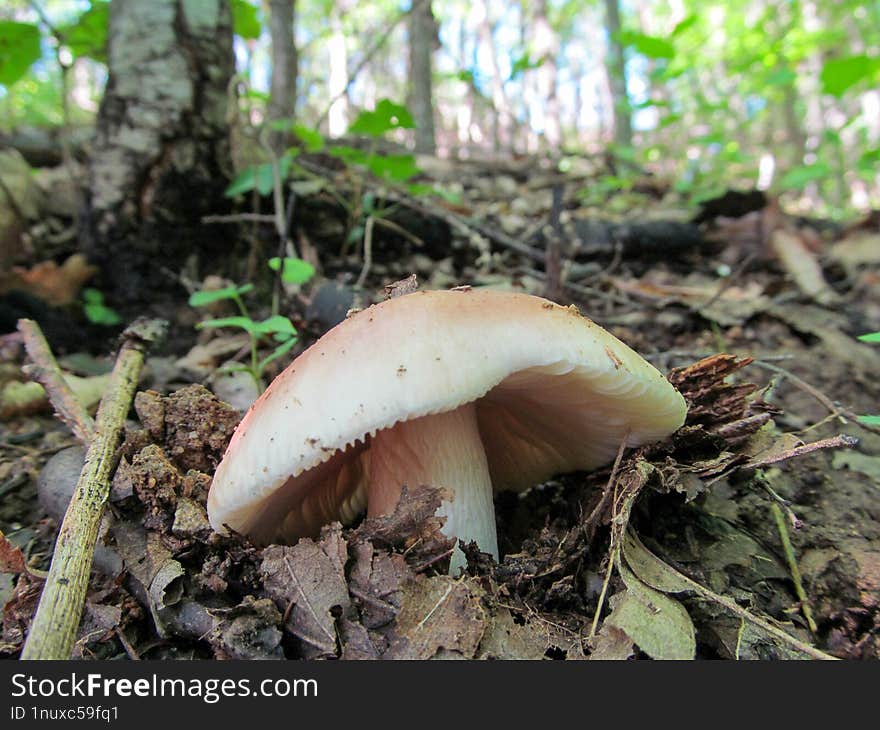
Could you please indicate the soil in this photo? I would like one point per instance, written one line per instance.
(728, 540)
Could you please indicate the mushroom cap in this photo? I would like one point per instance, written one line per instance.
(554, 393)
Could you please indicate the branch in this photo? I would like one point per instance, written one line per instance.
(53, 630)
(44, 370)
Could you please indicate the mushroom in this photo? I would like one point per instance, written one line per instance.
(472, 390)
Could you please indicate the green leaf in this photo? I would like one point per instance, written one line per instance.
(870, 420)
(660, 625)
(386, 116)
(682, 26)
(349, 155)
(282, 349)
(524, 63)
(312, 139)
(798, 177)
(647, 45)
(840, 74)
(781, 77)
(101, 314)
(209, 296)
(870, 337)
(19, 48)
(92, 296)
(87, 37)
(276, 324)
(296, 271)
(396, 168)
(245, 21)
(259, 177)
(246, 323)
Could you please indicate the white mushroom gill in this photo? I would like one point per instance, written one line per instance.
(440, 450)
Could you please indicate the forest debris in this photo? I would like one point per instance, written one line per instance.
(11, 558)
(53, 631)
(439, 617)
(18, 612)
(402, 287)
(788, 446)
(413, 526)
(764, 625)
(203, 359)
(198, 427)
(612, 644)
(44, 369)
(56, 285)
(505, 638)
(247, 631)
(831, 328)
(800, 263)
(658, 624)
(235, 387)
(21, 399)
(150, 409)
(375, 584)
(727, 306)
(307, 581)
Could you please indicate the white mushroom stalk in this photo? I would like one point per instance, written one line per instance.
(441, 450)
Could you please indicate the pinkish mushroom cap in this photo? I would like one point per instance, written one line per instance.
(471, 390)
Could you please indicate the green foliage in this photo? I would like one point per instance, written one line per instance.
(647, 45)
(840, 74)
(260, 177)
(797, 178)
(295, 271)
(524, 63)
(87, 37)
(386, 117)
(96, 311)
(871, 337)
(245, 20)
(277, 327)
(19, 49)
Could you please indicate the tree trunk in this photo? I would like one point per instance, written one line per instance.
(422, 39)
(161, 153)
(546, 48)
(616, 65)
(282, 100)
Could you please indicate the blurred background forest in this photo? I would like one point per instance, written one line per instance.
(779, 95)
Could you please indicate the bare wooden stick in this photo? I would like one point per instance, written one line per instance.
(44, 370)
(53, 630)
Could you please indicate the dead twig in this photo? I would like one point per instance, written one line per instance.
(44, 370)
(53, 631)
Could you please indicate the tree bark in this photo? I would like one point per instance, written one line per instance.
(616, 66)
(422, 39)
(161, 153)
(282, 99)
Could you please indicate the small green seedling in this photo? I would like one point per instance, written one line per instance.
(871, 337)
(277, 327)
(96, 311)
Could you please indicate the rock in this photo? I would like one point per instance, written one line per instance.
(330, 304)
(57, 480)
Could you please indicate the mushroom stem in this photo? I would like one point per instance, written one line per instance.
(441, 450)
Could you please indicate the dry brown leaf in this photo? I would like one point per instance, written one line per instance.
(11, 557)
(56, 285)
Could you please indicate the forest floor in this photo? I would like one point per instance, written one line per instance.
(753, 532)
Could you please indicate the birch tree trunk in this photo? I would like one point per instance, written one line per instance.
(161, 155)
(616, 65)
(282, 99)
(422, 40)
